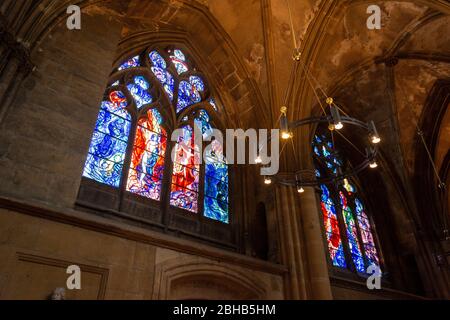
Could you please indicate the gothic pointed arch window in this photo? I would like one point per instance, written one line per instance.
(349, 232)
(129, 168)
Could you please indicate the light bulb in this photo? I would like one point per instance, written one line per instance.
(286, 135)
(375, 139)
(258, 160)
(300, 189)
(338, 126)
(267, 180)
(374, 165)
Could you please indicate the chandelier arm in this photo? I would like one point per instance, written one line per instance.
(307, 177)
(317, 182)
(313, 120)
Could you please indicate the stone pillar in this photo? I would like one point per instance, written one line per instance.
(315, 247)
(303, 249)
(291, 250)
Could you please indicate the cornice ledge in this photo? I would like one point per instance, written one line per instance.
(99, 224)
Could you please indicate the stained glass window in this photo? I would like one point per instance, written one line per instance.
(179, 61)
(131, 63)
(216, 174)
(332, 229)
(348, 231)
(142, 143)
(109, 141)
(139, 90)
(212, 102)
(352, 234)
(160, 71)
(147, 161)
(189, 93)
(366, 234)
(186, 172)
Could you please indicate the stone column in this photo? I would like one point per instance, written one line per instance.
(292, 254)
(315, 247)
(303, 249)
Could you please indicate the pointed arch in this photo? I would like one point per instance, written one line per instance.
(161, 90)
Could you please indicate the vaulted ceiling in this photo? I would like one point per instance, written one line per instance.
(384, 75)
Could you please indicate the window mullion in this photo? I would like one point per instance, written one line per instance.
(201, 191)
(167, 183)
(343, 231)
(128, 156)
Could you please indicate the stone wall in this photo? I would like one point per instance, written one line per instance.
(45, 136)
(36, 252)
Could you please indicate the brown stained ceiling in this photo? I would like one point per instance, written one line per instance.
(348, 64)
(414, 80)
(303, 12)
(350, 42)
(343, 54)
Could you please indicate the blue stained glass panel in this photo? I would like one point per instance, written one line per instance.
(217, 189)
(179, 61)
(202, 122)
(216, 184)
(109, 141)
(179, 55)
(132, 63)
(212, 102)
(157, 60)
(325, 152)
(187, 96)
(142, 82)
(197, 82)
(166, 80)
(103, 171)
(216, 210)
(358, 260)
(109, 148)
(317, 152)
(139, 93)
(113, 125)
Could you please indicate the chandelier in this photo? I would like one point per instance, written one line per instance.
(335, 118)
